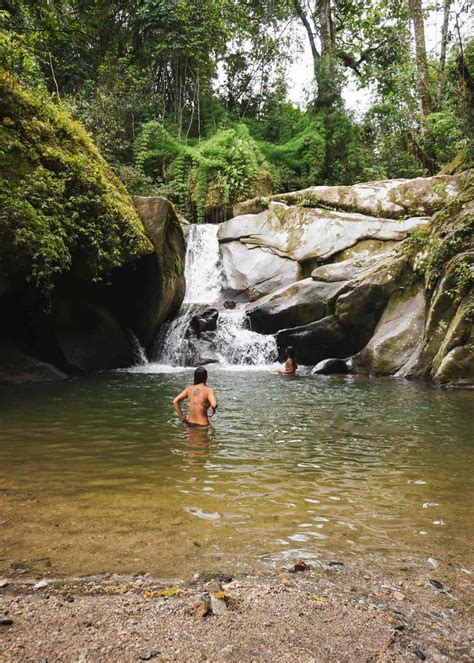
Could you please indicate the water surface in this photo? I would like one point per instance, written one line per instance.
(97, 474)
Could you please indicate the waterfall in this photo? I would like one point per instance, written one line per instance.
(138, 351)
(232, 342)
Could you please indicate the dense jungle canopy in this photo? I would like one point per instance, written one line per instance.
(190, 98)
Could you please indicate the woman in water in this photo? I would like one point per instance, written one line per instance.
(290, 365)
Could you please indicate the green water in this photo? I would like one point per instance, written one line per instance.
(97, 474)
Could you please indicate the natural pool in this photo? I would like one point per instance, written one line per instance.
(97, 474)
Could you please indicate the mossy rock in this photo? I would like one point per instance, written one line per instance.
(62, 207)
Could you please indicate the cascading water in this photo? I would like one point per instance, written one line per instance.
(233, 343)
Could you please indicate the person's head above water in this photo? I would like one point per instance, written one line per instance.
(290, 352)
(200, 375)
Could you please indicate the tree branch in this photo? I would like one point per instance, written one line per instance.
(304, 19)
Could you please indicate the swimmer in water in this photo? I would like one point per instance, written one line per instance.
(290, 365)
(201, 398)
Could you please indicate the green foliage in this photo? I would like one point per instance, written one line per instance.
(61, 208)
(204, 179)
(443, 136)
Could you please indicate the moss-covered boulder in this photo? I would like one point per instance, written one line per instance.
(443, 253)
(62, 208)
(395, 199)
(80, 274)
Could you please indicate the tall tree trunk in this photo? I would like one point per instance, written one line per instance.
(442, 55)
(421, 60)
(324, 61)
(325, 67)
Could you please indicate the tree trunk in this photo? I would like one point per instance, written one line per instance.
(324, 62)
(325, 67)
(421, 61)
(442, 55)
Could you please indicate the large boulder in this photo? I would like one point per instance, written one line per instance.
(354, 313)
(320, 340)
(385, 198)
(254, 273)
(294, 305)
(156, 299)
(396, 342)
(304, 234)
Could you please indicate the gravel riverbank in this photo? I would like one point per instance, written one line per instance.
(327, 612)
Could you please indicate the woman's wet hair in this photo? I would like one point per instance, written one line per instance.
(200, 375)
(290, 352)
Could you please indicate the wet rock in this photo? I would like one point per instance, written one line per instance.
(41, 584)
(229, 304)
(148, 655)
(205, 322)
(331, 367)
(5, 621)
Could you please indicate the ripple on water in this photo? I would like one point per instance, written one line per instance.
(337, 466)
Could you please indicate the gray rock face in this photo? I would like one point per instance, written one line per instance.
(354, 311)
(292, 306)
(303, 234)
(256, 272)
(397, 339)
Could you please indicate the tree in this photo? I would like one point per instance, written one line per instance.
(423, 78)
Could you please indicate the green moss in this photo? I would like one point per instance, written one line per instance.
(61, 206)
(430, 249)
(178, 266)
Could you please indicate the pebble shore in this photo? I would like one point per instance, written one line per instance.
(306, 613)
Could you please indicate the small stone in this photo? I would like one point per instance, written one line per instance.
(419, 654)
(3, 582)
(203, 609)
(5, 621)
(436, 583)
(41, 584)
(300, 566)
(218, 605)
(148, 655)
(69, 598)
(336, 563)
(226, 651)
(398, 596)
